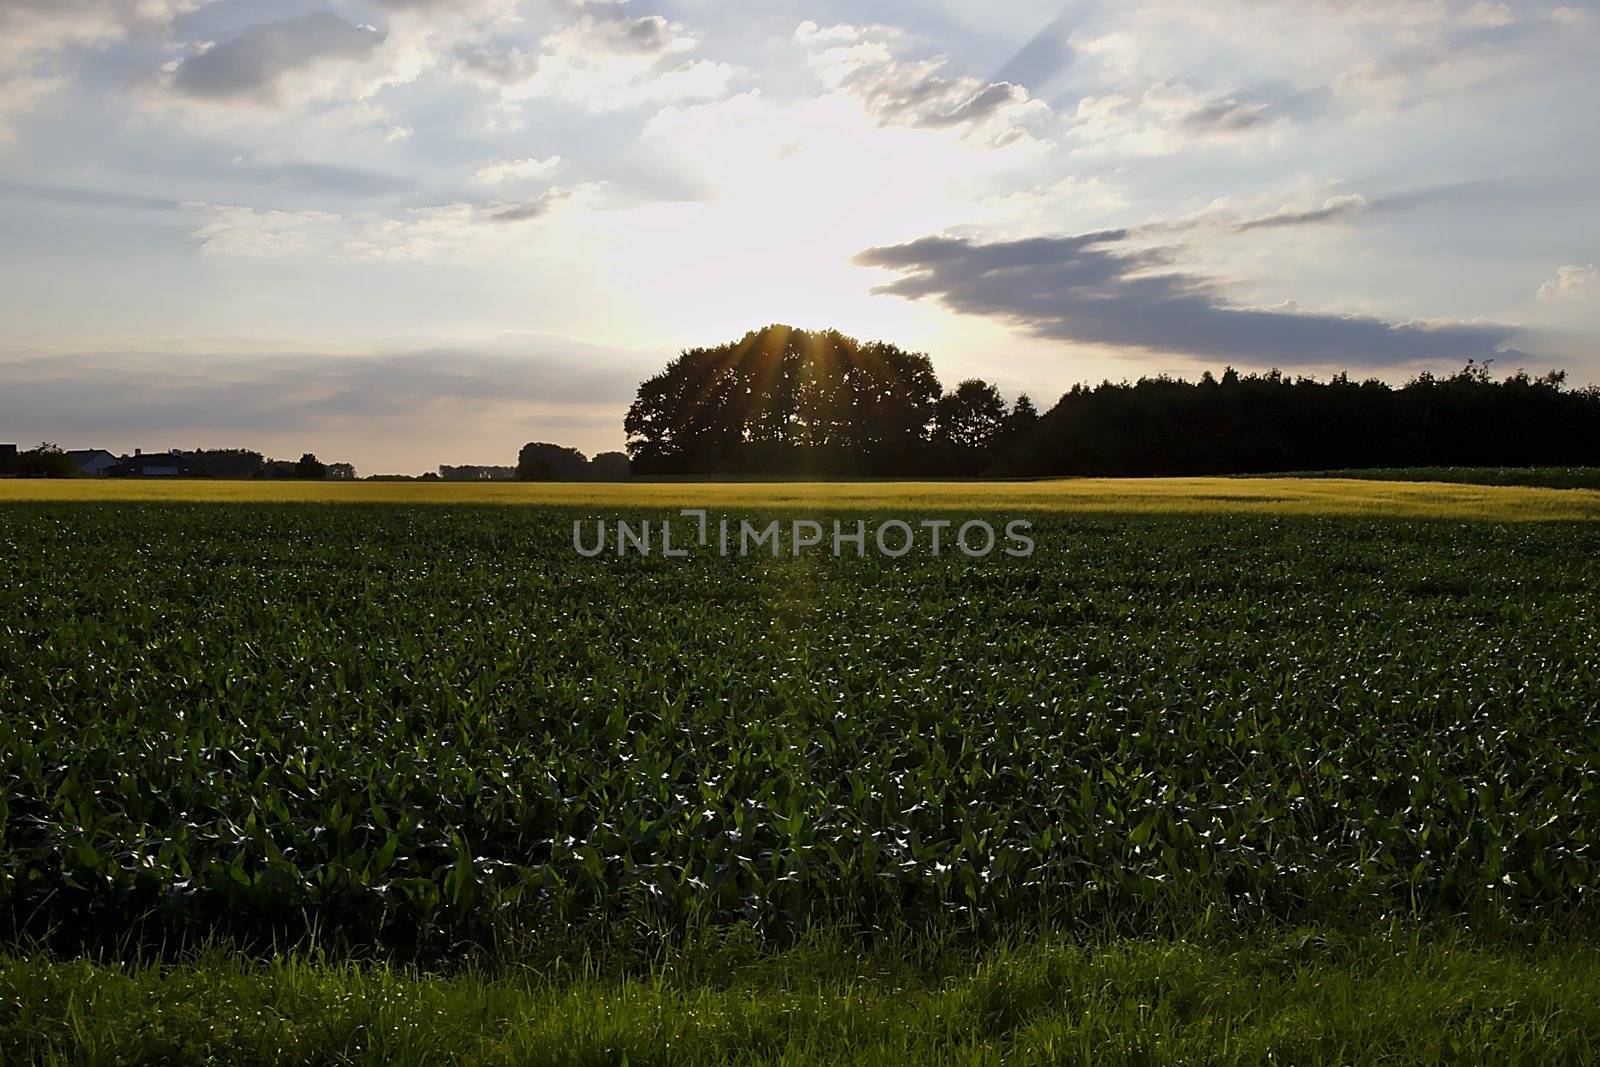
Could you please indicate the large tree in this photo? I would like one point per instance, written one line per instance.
(784, 399)
(540, 461)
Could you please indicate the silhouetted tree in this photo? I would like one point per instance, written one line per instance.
(967, 423)
(310, 467)
(225, 462)
(474, 473)
(610, 467)
(542, 462)
(46, 461)
(786, 400)
(1268, 422)
(1016, 429)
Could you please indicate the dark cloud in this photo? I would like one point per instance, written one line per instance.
(1256, 106)
(646, 35)
(536, 208)
(252, 65)
(916, 95)
(497, 65)
(1097, 288)
(1228, 114)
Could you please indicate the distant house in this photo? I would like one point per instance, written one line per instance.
(95, 461)
(154, 465)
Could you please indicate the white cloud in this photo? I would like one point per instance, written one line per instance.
(443, 232)
(1168, 117)
(607, 60)
(918, 92)
(34, 32)
(599, 56)
(515, 170)
(30, 28)
(1572, 281)
(609, 26)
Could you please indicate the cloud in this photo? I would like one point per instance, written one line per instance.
(599, 56)
(514, 170)
(393, 410)
(1228, 113)
(1170, 116)
(537, 208)
(918, 93)
(32, 32)
(35, 27)
(455, 230)
(914, 94)
(1331, 209)
(1098, 288)
(1335, 207)
(608, 25)
(253, 65)
(497, 65)
(1572, 282)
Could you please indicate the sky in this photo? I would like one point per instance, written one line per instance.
(402, 233)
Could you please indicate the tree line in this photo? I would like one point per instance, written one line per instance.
(787, 401)
(49, 460)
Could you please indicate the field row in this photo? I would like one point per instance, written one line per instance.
(421, 727)
(1271, 496)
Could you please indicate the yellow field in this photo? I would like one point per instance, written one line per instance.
(1287, 496)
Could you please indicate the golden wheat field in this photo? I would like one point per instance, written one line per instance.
(1286, 496)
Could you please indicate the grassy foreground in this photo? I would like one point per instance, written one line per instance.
(1300, 997)
(1120, 802)
(1275, 496)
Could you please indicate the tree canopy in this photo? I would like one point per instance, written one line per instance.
(785, 399)
(1269, 422)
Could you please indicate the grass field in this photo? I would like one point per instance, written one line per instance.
(1278, 496)
(1295, 997)
(1212, 784)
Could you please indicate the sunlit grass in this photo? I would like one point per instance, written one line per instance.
(1282, 496)
(1294, 997)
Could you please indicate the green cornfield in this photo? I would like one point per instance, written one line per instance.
(423, 731)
